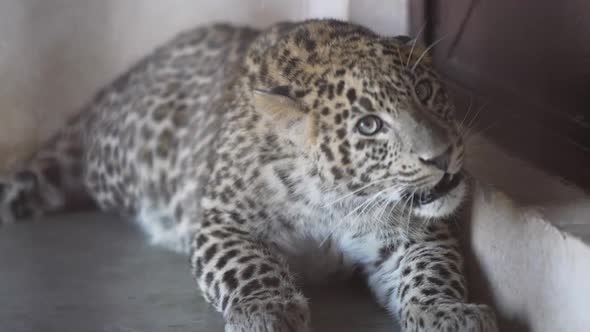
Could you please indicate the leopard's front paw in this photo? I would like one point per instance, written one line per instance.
(450, 317)
(277, 315)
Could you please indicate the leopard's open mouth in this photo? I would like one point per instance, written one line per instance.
(443, 187)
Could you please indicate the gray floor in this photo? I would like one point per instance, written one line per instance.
(92, 272)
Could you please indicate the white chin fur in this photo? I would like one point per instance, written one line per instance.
(443, 206)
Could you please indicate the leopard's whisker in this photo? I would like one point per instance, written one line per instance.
(399, 54)
(359, 190)
(482, 131)
(367, 207)
(410, 210)
(372, 203)
(382, 207)
(470, 125)
(389, 206)
(414, 44)
(469, 109)
(426, 51)
(362, 205)
(347, 215)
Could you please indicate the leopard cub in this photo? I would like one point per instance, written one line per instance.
(253, 151)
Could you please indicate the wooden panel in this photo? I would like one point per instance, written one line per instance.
(531, 58)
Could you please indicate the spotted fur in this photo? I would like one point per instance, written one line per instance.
(254, 151)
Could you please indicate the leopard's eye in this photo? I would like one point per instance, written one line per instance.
(369, 125)
(423, 90)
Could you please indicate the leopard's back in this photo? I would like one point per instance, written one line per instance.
(149, 134)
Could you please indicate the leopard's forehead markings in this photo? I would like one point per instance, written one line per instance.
(310, 50)
(335, 64)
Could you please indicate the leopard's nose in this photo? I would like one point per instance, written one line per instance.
(440, 161)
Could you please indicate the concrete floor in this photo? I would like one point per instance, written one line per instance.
(94, 272)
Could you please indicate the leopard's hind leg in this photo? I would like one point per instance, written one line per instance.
(51, 180)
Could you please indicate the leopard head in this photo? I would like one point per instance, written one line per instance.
(375, 116)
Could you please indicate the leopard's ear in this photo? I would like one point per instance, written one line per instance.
(415, 42)
(277, 103)
(286, 113)
(403, 39)
(415, 48)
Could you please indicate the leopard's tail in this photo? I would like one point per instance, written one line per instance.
(51, 180)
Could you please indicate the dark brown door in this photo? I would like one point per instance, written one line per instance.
(530, 59)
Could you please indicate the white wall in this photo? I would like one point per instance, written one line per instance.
(55, 53)
(385, 17)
